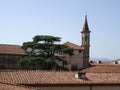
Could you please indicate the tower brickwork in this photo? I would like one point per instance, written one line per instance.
(86, 43)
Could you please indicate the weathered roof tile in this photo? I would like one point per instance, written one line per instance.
(38, 77)
(11, 49)
(103, 68)
(73, 46)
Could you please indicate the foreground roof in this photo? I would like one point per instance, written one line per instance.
(102, 68)
(11, 49)
(37, 77)
(73, 46)
(57, 78)
(13, 87)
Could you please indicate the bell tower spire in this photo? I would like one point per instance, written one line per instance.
(85, 33)
(85, 27)
(86, 43)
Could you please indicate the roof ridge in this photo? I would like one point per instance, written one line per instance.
(10, 44)
(71, 43)
(73, 46)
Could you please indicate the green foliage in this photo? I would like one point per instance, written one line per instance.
(23, 63)
(46, 39)
(41, 53)
(32, 63)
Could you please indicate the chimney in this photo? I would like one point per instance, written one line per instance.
(98, 61)
(118, 62)
(115, 62)
(91, 61)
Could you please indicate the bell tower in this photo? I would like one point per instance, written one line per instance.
(86, 43)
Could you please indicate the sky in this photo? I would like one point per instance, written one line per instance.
(21, 20)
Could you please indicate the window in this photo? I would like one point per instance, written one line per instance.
(80, 51)
(86, 38)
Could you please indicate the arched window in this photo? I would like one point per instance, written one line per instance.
(86, 38)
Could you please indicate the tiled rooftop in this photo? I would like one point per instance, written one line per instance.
(102, 68)
(33, 77)
(11, 49)
(72, 45)
(13, 87)
(36, 76)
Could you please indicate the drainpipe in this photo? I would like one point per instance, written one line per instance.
(90, 87)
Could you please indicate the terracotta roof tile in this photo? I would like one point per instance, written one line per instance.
(13, 87)
(73, 46)
(37, 77)
(11, 49)
(103, 68)
(32, 77)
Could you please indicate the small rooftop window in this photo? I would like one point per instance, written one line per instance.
(81, 76)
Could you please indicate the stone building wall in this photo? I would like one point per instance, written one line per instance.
(9, 61)
(75, 62)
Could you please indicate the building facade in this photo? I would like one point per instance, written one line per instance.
(10, 55)
(81, 53)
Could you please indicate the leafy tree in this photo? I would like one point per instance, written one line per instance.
(32, 62)
(43, 53)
